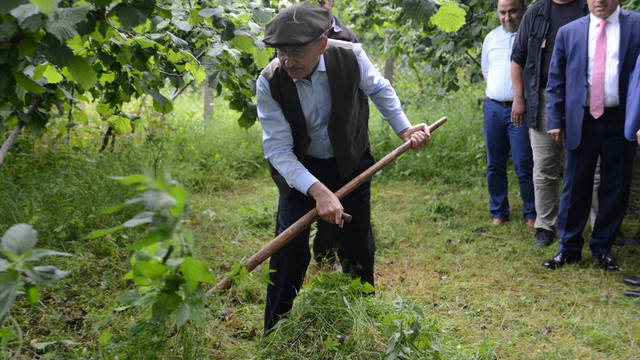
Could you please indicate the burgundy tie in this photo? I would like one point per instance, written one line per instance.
(597, 81)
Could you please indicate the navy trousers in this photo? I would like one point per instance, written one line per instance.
(602, 137)
(501, 136)
(355, 243)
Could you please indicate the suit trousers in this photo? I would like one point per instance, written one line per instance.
(604, 138)
(355, 242)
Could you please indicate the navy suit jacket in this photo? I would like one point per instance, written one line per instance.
(632, 119)
(567, 86)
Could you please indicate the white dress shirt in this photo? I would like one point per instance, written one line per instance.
(496, 64)
(611, 77)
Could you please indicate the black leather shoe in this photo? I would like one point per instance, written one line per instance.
(607, 262)
(633, 281)
(543, 237)
(632, 293)
(560, 259)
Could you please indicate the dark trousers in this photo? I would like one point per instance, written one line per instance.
(355, 243)
(602, 137)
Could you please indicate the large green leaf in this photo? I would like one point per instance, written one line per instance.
(63, 21)
(28, 84)
(82, 73)
(23, 12)
(19, 239)
(449, 17)
(421, 10)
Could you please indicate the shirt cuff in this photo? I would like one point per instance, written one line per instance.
(303, 182)
(399, 122)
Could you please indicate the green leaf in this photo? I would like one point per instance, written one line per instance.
(8, 290)
(56, 52)
(42, 345)
(192, 270)
(19, 239)
(262, 57)
(105, 337)
(182, 314)
(7, 29)
(23, 12)
(37, 254)
(47, 6)
(28, 84)
(98, 233)
(82, 73)
(136, 179)
(32, 293)
(243, 43)
(62, 22)
(449, 17)
(131, 15)
(142, 218)
(52, 75)
(121, 125)
(44, 275)
(420, 10)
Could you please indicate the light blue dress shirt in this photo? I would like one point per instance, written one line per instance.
(496, 64)
(315, 100)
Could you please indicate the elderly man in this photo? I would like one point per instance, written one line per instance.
(500, 133)
(586, 96)
(316, 139)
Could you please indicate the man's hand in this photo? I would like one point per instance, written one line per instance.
(517, 111)
(418, 134)
(327, 204)
(557, 135)
(638, 136)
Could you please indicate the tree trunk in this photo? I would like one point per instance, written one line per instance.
(208, 105)
(16, 131)
(388, 64)
(10, 141)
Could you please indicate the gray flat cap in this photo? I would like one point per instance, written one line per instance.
(297, 26)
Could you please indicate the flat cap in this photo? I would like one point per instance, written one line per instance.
(297, 26)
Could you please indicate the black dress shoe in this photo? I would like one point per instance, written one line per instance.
(543, 237)
(607, 262)
(633, 281)
(632, 293)
(560, 259)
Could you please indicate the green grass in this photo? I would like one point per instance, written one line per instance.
(475, 291)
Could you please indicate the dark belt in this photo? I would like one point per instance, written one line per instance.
(503, 103)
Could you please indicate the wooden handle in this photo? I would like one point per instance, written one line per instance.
(312, 216)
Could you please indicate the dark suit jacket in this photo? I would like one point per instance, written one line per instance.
(632, 119)
(567, 85)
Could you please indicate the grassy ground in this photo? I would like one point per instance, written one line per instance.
(474, 291)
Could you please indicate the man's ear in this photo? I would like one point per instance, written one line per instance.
(322, 45)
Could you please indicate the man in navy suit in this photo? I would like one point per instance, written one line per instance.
(589, 120)
(632, 133)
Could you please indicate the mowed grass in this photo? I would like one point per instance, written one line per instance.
(482, 291)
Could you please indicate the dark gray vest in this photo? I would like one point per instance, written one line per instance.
(349, 119)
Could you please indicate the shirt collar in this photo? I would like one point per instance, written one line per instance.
(613, 19)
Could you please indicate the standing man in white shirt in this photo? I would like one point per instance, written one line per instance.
(500, 133)
(316, 138)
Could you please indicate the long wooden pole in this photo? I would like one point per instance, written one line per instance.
(312, 216)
